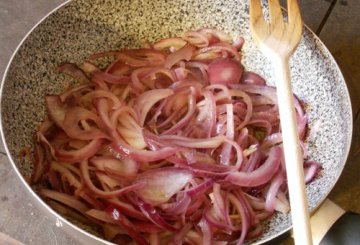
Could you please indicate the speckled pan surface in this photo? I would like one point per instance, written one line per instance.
(82, 27)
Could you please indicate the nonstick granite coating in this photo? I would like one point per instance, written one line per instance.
(83, 27)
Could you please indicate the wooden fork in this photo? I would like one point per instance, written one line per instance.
(278, 39)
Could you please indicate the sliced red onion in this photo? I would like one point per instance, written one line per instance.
(203, 67)
(157, 82)
(181, 73)
(73, 71)
(179, 237)
(92, 201)
(249, 77)
(142, 155)
(151, 213)
(39, 163)
(66, 174)
(55, 181)
(71, 124)
(271, 140)
(206, 232)
(219, 48)
(68, 200)
(310, 170)
(126, 167)
(255, 202)
(210, 110)
(238, 43)
(226, 150)
(216, 223)
(248, 102)
(196, 38)
(178, 207)
(110, 78)
(219, 202)
(73, 156)
(272, 192)
(141, 57)
(109, 181)
(148, 99)
(101, 216)
(71, 92)
(200, 189)
(261, 175)
(213, 33)
(84, 166)
(126, 225)
(91, 96)
(129, 129)
(254, 160)
(167, 43)
(146, 227)
(162, 184)
(170, 136)
(187, 117)
(262, 124)
(127, 209)
(117, 67)
(281, 205)
(224, 71)
(212, 142)
(244, 222)
(102, 107)
(56, 109)
(184, 53)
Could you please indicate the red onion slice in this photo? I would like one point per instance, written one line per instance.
(261, 175)
(73, 71)
(65, 199)
(126, 209)
(161, 184)
(73, 156)
(126, 167)
(185, 53)
(56, 109)
(167, 43)
(84, 167)
(151, 213)
(224, 71)
(142, 155)
(148, 99)
(101, 216)
(126, 225)
(272, 192)
(72, 120)
(249, 77)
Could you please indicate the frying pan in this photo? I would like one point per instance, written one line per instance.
(79, 28)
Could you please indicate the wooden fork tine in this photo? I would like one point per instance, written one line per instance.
(256, 13)
(275, 11)
(294, 12)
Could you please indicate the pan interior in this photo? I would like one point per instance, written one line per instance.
(83, 27)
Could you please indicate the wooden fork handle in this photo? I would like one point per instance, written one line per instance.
(292, 153)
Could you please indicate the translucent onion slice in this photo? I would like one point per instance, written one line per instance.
(261, 175)
(161, 184)
(126, 167)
